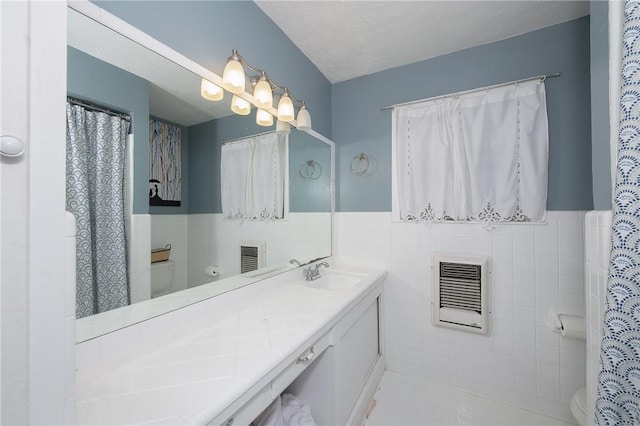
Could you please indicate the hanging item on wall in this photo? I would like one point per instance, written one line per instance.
(165, 179)
(310, 169)
(363, 165)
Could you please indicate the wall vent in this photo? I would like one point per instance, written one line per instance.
(460, 296)
(252, 255)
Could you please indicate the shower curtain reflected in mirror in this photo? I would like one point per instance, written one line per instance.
(95, 194)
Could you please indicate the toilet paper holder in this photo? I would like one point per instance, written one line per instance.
(570, 326)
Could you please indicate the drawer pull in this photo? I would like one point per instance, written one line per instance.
(307, 356)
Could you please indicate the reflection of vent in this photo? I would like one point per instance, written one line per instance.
(460, 293)
(252, 256)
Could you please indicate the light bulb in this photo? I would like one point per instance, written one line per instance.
(210, 91)
(263, 118)
(233, 76)
(282, 127)
(240, 106)
(285, 107)
(262, 94)
(304, 118)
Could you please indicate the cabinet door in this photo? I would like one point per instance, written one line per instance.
(332, 384)
(316, 387)
(355, 355)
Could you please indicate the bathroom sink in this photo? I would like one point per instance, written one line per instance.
(332, 281)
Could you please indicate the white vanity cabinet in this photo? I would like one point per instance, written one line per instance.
(335, 382)
(324, 348)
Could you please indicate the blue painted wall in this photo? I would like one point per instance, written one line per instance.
(93, 80)
(600, 153)
(206, 31)
(360, 126)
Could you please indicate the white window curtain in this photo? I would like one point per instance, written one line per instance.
(480, 156)
(252, 172)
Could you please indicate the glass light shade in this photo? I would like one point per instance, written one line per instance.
(283, 127)
(304, 119)
(233, 77)
(285, 108)
(210, 91)
(240, 106)
(263, 95)
(263, 118)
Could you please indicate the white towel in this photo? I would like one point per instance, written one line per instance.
(296, 412)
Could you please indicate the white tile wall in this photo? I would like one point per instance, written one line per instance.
(140, 257)
(537, 270)
(173, 229)
(598, 246)
(213, 240)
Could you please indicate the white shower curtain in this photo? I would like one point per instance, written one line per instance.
(252, 173)
(480, 156)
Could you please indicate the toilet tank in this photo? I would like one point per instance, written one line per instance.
(162, 277)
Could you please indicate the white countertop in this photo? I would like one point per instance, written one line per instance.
(192, 378)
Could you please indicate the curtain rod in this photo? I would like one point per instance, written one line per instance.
(478, 89)
(98, 108)
(247, 137)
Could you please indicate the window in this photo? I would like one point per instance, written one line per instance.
(477, 157)
(253, 177)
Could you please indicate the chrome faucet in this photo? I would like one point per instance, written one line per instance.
(313, 272)
(292, 261)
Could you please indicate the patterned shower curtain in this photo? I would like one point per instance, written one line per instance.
(96, 152)
(618, 400)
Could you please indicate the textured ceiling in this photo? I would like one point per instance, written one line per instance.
(348, 39)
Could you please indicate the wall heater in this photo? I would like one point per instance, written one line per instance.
(252, 255)
(460, 296)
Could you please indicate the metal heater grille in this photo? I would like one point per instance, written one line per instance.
(252, 255)
(460, 286)
(460, 293)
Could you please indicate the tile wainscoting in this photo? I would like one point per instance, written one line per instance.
(598, 247)
(537, 270)
(199, 240)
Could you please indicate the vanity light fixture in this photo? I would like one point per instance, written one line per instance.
(240, 106)
(264, 90)
(263, 118)
(210, 91)
(285, 107)
(282, 127)
(304, 118)
(233, 75)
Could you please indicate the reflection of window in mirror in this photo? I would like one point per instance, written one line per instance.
(253, 173)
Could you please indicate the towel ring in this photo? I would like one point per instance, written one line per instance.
(310, 170)
(360, 165)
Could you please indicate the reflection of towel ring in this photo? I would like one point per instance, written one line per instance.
(361, 165)
(310, 170)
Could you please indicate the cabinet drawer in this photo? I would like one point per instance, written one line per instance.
(305, 358)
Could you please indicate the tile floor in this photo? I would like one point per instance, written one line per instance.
(403, 400)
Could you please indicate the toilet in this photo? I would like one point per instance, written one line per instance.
(162, 277)
(578, 406)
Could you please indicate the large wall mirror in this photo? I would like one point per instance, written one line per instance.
(109, 70)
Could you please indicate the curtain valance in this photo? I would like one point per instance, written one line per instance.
(481, 156)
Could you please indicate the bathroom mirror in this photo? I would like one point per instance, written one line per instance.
(201, 240)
